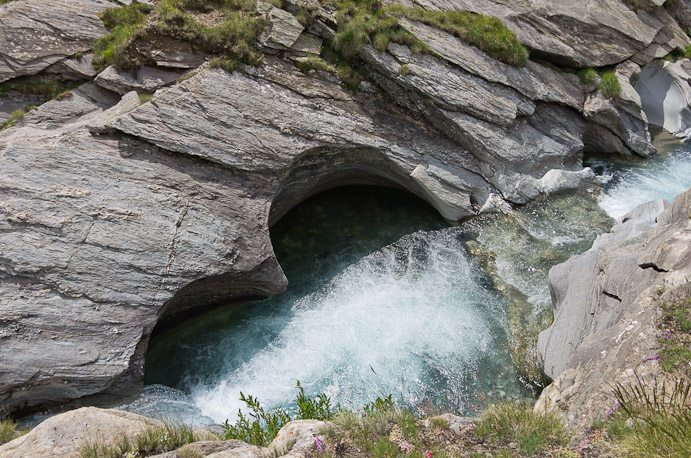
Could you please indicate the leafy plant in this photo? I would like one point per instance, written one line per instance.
(378, 405)
(259, 427)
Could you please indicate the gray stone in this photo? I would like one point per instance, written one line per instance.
(167, 52)
(75, 67)
(573, 33)
(296, 437)
(219, 449)
(65, 434)
(308, 44)
(145, 79)
(606, 303)
(36, 34)
(665, 96)
(282, 31)
(79, 105)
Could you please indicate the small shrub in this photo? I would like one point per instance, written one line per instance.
(405, 70)
(609, 86)
(587, 75)
(518, 423)
(143, 97)
(378, 405)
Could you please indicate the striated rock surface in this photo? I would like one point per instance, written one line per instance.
(116, 215)
(606, 303)
(35, 34)
(582, 34)
(145, 79)
(665, 94)
(65, 434)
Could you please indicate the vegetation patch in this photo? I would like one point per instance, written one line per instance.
(47, 88)
(259, 427)
(366, 21)
(517, 423)
(123, 22)
(609, 85)
(232, 38)
(152, 441)
(310, 63)
(9, 431)
(652, 420)
(674, 338)
(487, 33)
(587, 75)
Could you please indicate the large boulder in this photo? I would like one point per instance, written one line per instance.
(606, 304)
(64, 435)
(36, 34)
(666, 95)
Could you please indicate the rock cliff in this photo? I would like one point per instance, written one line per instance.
(116, 215)
(607, 302)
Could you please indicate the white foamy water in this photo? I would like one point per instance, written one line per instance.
(411, 319)
(661, 177)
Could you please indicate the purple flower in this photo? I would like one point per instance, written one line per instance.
(320, 448)
(658, 323)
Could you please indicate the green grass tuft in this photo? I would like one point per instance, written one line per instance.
(12, 121)
(153, 440)
(657, 420)
(143, 97)
(518, 423)
(123, 22)
(8, 431)
(487, 33)
(609, 86)
(587, 75)
(674, 337)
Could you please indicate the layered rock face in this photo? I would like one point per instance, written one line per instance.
(36, 35)
(606, 304)
(116, 215)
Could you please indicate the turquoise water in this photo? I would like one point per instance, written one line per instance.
(628, 183)
(383, 299)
